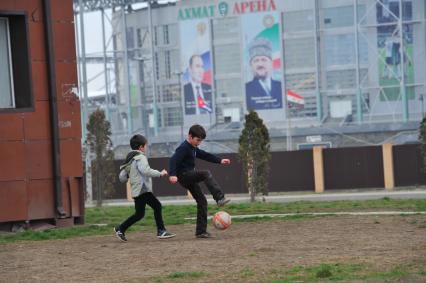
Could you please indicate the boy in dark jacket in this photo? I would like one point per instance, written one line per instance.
(182, 170)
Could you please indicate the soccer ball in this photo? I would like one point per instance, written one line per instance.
(221, 220)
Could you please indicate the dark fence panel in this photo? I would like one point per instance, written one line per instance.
(408, 165)
(291, 171)
(229, 177)
(344, 168)
(358, 167)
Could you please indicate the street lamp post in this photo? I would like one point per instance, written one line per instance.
(179, 76)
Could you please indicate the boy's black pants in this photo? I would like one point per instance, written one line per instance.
(190, 180)
(140, 204)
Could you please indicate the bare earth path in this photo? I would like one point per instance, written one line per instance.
(383, 242)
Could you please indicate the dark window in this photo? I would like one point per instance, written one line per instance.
(15, 79)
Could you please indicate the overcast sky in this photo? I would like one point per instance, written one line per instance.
(93, 44)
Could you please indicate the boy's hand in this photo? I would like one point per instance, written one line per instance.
(173, 179)
(225, 161)
(163, 172)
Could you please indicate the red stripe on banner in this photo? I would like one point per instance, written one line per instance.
(207, 79)
(276, 63)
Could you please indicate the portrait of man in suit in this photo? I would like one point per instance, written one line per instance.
(262, 92)
(198, 95)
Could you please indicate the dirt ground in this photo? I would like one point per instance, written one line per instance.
(261, 247)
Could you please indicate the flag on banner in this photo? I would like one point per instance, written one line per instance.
(203, 105)
(295, 98)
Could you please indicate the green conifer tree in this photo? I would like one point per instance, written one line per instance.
(99, 143)
(422, 138)
(254, 154)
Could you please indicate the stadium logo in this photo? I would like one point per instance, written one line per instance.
(223, 8)
(268, 21)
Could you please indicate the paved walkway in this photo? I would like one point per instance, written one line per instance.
(295, 196)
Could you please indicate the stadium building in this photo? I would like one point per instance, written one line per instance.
(337, 73)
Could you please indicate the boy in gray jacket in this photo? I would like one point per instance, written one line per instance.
(136, 168)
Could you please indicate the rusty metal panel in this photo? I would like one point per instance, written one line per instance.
(73, 185)
(69, 118)
(37, 41)
(38, 159)
(7, 5)
(66, 79)
(63, 40)
(11, 127)
(13, 201)
(41, 199)
(39, 73)
(12, 161)
(31, 6)
(71, 164)
(62, 10)
(37, 124)
(66, 196)
(349, 168)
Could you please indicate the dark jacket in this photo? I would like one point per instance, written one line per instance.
(190, 103)
(184, 158)
(258, 99)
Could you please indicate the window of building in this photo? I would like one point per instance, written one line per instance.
(166, 39)
(7, 98)
(172, 116)
(171, 93)
(167, 64)
(155, 36)
(139, 37)
(157, 67)
(15, 75)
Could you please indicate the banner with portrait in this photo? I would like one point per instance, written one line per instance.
(196, 62)
(262, 61)
(392, 59)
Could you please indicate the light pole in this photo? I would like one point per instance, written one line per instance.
(179, 76)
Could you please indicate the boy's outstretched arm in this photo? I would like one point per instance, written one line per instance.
(204, 155)
(143, 167)
(176, 159)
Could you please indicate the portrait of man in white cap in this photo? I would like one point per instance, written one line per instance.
(262, 92)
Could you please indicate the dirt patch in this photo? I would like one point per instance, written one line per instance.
(383, 242)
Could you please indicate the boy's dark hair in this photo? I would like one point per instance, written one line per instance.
(197, 131)
(136, 141)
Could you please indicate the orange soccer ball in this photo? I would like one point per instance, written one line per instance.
(221, 220)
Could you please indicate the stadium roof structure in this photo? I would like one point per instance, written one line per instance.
(97, 5)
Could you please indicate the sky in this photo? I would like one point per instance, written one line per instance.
(93, 45)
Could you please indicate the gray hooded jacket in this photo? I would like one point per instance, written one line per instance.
(139, 173)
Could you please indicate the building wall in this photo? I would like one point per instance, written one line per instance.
(26, 138)
(321, 62)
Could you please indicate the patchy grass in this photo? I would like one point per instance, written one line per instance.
(342, 273)
(175, 275)
(100, 221)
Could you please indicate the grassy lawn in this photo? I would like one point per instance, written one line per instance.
(330, 272)
(100, 221)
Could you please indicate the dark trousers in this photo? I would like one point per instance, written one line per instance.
(140, 204)
(190, 180)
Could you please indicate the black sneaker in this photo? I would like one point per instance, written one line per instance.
(204, 235)
(163, 234)
(223, 201)
(120, 235)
